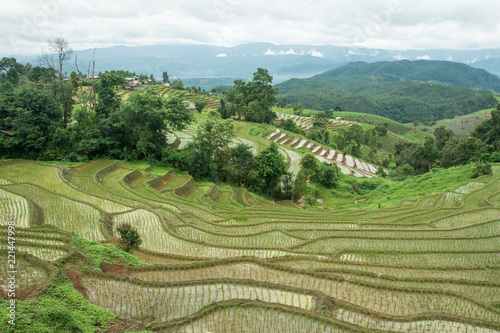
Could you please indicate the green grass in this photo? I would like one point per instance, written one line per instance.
(61, 308)
(369, 193)
(260, 130)
(462, 126)
(101, 253)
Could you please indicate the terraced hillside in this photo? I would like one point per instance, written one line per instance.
(347, 164)
(224, 260)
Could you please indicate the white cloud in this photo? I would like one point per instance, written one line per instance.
(291, 51)
(424, 57)
(26, 25)
(282, 52)
(400, 57)
(315, 53)
(221, 55)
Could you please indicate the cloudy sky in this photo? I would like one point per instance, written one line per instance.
(27, 25)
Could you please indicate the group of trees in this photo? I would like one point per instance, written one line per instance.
(42, 121)
(445, 150)
(213, 156)
(253, 100)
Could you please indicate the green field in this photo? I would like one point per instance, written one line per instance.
(463, 125)
(220, 259)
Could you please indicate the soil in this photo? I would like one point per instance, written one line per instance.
(74, 275)
(75, 170)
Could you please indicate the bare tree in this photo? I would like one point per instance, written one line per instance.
(59, 47)
(91, 75)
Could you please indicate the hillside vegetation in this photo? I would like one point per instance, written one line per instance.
(404, 91)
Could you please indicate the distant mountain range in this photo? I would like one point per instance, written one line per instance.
(405, 91)
(283, 61)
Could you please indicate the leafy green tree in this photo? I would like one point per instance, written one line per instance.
(85, 132)
(223, 110)
(13, 76)
(298, 109)
(240, 166)
(75, 80)
(254, 98)
(441, 135)
(129, 237)
(426, 153)
(287, 185)
(481, 169)
(7, 63)
(327, 175)
(463, 151)
(32, 115)
(107, 100)
(237, 96)
(489, 130)
(299, 186)
(289, 125)
(41, 75)
(271, 166)
(214, 135)
(147, 118)
(166, 77)
(178, 84)
(283, 103)
(310, 163)
(200, 106)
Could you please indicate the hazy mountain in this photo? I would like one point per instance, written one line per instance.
(283, 61)
(403, 90)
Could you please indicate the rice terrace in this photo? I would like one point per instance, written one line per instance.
(250, 167)
(235, 262)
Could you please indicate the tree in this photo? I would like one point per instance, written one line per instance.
(327, 175)
(283, 103)
(7, 63)
(33, 116)
(75, 82)
(200, 106)
(107, 100)
(299, 186)
(146, 119)
(298, 109)
(214, 135)
(426, 153)
(289, 125)
(309, 162)
(129, 237)
(480, 169)
(166, 77)
(441, 136)
(178, 84)
(223, 110)
(271, 166)
(255, 98)
(61, 48)
(287, 185)
(240, 166)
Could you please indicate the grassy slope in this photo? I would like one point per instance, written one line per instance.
(461, 126)
(369, 193)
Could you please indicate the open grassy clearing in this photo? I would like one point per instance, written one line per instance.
(429, 260)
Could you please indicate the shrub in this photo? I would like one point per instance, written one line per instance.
(481, 169)
(129, 237)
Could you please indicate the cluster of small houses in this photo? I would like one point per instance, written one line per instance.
(133, 82)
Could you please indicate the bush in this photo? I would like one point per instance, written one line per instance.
(129, 237)
(481, 169)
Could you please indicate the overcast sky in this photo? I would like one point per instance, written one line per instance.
(27, 25)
